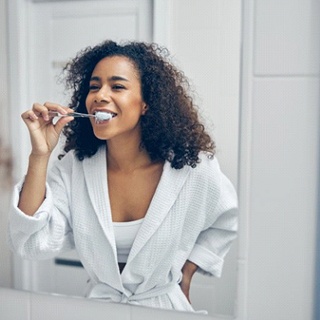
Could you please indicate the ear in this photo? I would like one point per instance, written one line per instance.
(144, 109)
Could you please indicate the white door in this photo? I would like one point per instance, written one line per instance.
(57, 30)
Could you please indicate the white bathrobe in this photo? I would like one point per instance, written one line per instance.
(193, 215)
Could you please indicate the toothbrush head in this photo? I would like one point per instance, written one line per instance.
(103, 116)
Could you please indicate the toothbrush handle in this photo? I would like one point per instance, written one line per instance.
(81, 115)
(71, 114)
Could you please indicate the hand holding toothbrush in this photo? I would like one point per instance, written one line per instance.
(44, 134)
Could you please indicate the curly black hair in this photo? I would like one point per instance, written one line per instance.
(170, 129)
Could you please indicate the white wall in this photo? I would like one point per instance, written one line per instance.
(5, 155)
(280, 157)
(4, 125)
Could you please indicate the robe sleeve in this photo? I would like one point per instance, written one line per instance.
(213, 243)
(48, 231)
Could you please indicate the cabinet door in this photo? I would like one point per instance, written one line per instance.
(57, 31)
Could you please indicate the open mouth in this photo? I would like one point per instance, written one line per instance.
(102, 116)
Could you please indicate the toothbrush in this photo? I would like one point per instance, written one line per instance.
(102, 116)
(99, 116)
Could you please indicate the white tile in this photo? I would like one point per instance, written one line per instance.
(285, 138)
(14, 304)
(283, 212)
(54, 307)
(287, 37)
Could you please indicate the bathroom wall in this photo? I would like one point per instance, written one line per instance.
(5, 152)
(4, 125)
(279, 157)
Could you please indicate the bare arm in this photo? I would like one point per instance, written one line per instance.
(44, 137)
(188, 271)
(33, 191)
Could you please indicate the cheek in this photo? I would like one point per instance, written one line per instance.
(87, 101)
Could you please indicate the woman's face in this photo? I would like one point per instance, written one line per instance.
(115, 88)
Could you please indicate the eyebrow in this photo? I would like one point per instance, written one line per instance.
(113, 78)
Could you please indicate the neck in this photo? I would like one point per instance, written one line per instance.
(126, 156)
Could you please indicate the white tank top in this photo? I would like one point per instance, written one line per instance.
(125, 233)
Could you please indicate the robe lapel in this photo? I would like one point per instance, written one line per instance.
(166, 194)
(96, 181)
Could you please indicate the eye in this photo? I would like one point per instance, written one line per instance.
(118, 87)
(93, 87)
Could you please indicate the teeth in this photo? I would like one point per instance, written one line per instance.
(105, 112)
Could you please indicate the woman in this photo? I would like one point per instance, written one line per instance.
(140, 196)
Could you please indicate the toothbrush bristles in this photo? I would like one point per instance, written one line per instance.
(103, 116)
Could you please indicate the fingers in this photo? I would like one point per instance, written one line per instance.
(29, 115)
(60, 109)
(42, 111)
(50, 106)
(44, 132)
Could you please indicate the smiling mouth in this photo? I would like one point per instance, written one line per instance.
(103, 116)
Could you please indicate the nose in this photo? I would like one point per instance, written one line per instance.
(102, 95)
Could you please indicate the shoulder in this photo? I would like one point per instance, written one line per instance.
(208, 174)
(208, 167)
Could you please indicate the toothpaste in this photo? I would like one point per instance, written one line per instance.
(102, 116)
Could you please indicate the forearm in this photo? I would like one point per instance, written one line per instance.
(188, 271)
(34, 187)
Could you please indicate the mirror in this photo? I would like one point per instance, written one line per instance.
(206, 48)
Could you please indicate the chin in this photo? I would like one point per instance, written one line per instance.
(101, 136)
